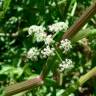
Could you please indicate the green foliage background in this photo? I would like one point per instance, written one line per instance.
(15, 18)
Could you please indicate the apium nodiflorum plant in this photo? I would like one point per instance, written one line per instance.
(40, 34)
(65, 60)
(46, 47)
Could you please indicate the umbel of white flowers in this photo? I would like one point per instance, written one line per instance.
(56, 27)
(39, 34)
(67, 64)
(33, 54)
(47, 51)
(65, 45)
(49, 40)
(34, 29)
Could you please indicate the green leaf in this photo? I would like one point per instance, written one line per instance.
(7, 70)
(83, 33)
(6, 5)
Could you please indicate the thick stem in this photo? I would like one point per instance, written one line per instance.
(73, 30)
(80, 22)
(80, 82)
(87, 76)
(47, 67)
(25, 85)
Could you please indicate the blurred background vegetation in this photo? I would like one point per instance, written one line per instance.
(15, 18)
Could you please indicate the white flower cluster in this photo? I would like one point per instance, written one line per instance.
(49, 40)
(67, 64)
(56, 27)
(38, 31)
(39, 34)
(34, 29)
(65, 45)
(47, 51)
(33, 54)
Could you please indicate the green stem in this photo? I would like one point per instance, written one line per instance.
(74, 8)
(57, 8)
(59, 57)
(80, 22)
(61, 74)
(87, 76)
(25, 85)
(80, 82)
(71, 32)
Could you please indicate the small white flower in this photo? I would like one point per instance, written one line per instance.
(35, 28)
(67, 64)
(47, 52)
(49, 40)
(65, 45)
(56, 27)
(33, 54)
